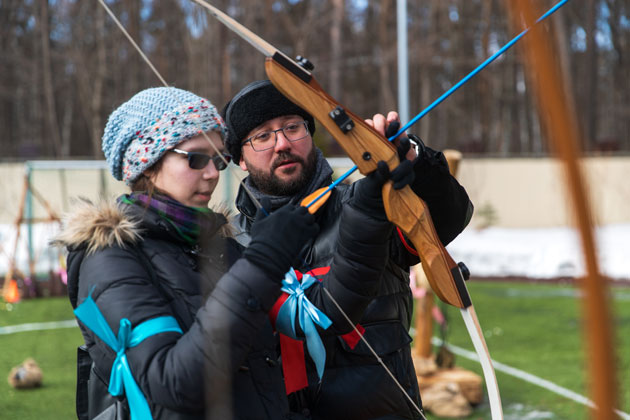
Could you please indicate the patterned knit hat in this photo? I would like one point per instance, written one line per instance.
(255, 104)
(153, 121)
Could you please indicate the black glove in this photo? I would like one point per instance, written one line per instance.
(403, 174)
(278, 238)
(368, 191)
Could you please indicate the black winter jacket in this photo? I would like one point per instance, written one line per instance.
(228, 341)
(354, 385)
(220, 301)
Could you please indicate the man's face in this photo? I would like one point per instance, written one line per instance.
(285, 168)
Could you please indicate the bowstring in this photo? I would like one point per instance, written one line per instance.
(257, 203)
(378, 358)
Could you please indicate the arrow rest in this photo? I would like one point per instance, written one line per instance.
(464, 270)
(304, 62)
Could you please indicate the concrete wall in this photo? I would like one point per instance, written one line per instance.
(527, 193)
(506, 192)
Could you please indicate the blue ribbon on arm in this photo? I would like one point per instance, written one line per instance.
(121, 379)
(308, 315)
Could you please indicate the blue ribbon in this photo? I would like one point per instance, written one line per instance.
(121, 379)
(308, 315)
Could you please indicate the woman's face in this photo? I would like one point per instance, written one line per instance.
(191, 187)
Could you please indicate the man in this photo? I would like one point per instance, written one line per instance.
(271, 138)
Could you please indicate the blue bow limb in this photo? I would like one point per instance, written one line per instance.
(308, 316)
(121, 379)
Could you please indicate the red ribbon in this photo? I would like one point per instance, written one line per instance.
(292, 351)
(409, 248)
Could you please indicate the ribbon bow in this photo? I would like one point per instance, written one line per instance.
(121, 379)
(308, 315)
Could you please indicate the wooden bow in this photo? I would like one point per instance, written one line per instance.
(561, 125)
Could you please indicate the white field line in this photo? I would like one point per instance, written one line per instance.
(527, 377)
(38, 326)
(501, 367)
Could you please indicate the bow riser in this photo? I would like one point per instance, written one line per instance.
(404, 208)
(410, 213)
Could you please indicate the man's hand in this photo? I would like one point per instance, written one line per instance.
(278, 238)
(387, 127)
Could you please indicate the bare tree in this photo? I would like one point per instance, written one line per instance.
(60, 77)
(590, 100)
(334, 79)
(49, 93)
(90, 60)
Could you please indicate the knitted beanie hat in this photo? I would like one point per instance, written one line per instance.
(255, 104)
(153, 121)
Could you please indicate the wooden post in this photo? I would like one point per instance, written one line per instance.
(453, 157)
(424, 320)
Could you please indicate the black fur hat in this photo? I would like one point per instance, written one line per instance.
(255, 104)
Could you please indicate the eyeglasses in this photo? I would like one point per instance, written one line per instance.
(266, 140)
(198, 160)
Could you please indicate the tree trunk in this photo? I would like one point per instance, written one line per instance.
(383, 58)
(53, 132)
(590, 102)
(135, 64)
(485, 81)
(515, 118)
(621, 74)
(334, 84)
(97, 84)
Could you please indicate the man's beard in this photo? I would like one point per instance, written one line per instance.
(268, 183)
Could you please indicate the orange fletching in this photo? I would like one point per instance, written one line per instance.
(320, 202)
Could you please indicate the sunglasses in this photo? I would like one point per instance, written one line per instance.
(198, 160)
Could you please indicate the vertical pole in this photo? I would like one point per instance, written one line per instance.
(228, 193)
(403, 62)
(102, 173)
(29, 222)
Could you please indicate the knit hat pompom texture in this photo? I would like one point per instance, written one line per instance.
(152, 122)
(255, 104)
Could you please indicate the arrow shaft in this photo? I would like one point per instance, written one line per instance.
(466, 78)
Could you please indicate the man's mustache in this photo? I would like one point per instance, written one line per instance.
(283, 156)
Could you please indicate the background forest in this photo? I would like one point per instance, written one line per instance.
(64, 66)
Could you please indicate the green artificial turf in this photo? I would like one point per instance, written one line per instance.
(54, 351)
(533, 327)
(538, 328)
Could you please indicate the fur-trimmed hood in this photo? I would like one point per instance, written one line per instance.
(108, 223)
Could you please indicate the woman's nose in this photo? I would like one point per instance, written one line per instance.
(210, 171)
